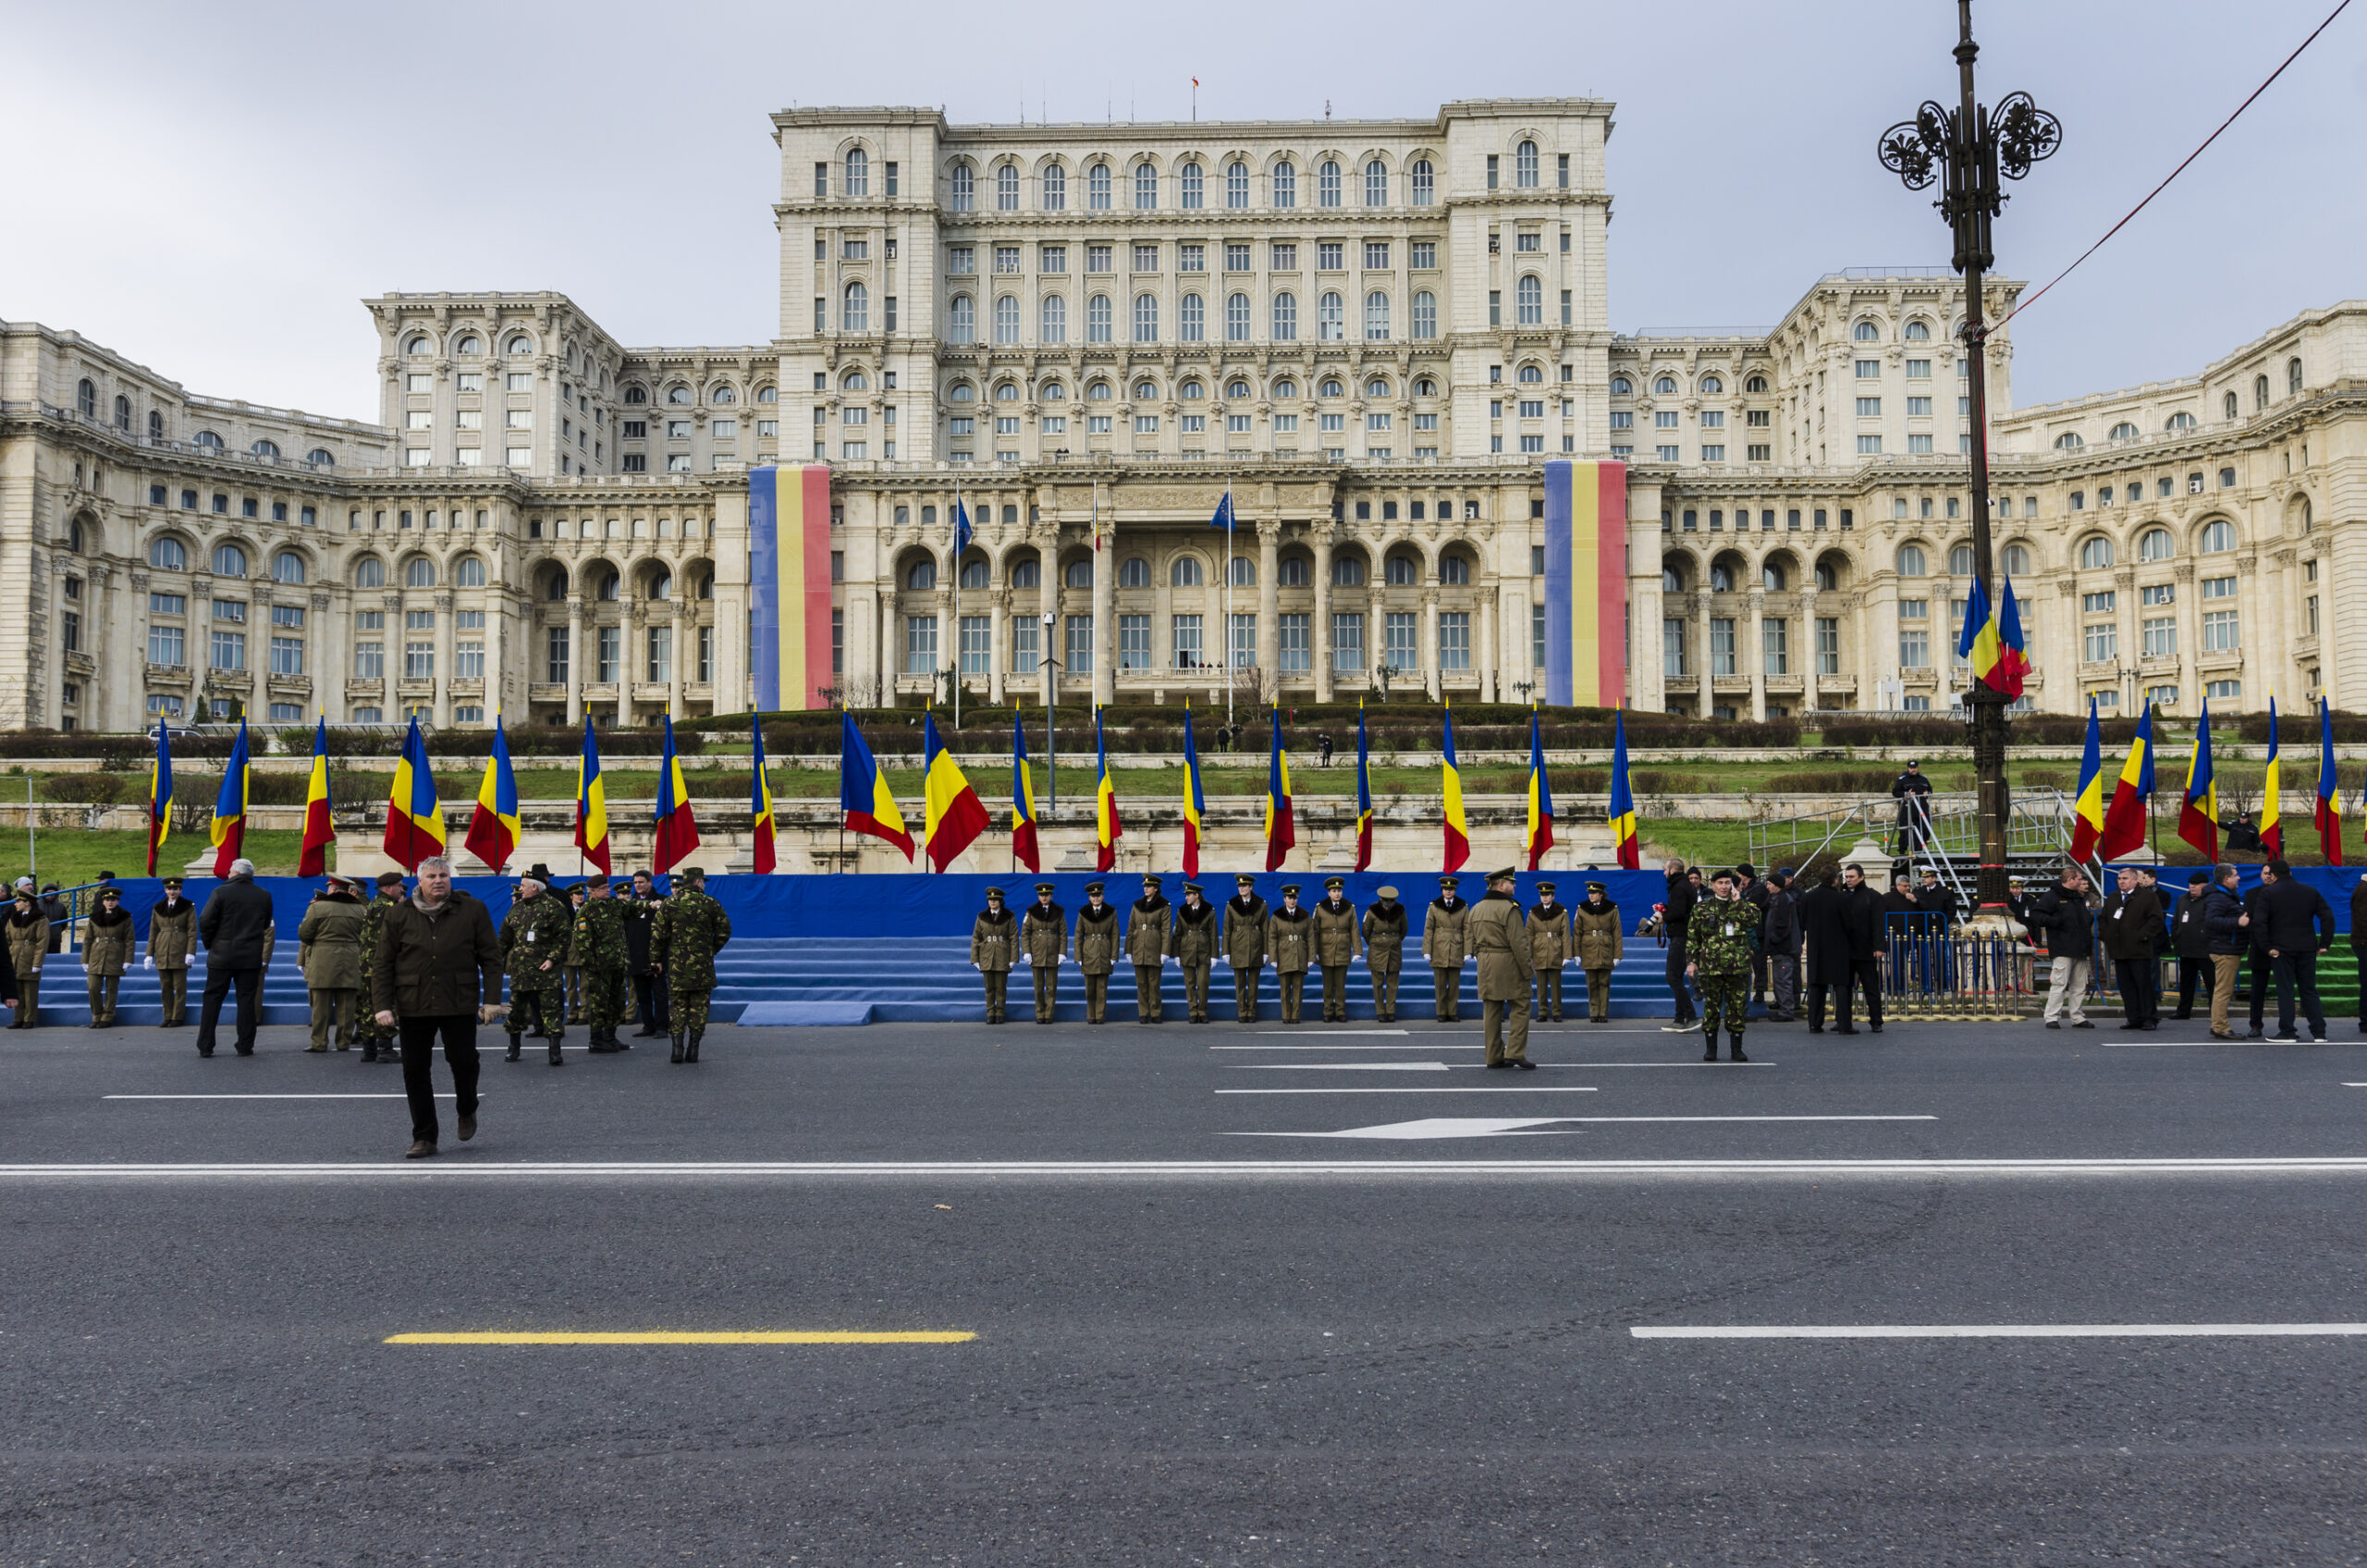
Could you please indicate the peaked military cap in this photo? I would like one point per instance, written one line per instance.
(1331, 884)
(1195, 887)
(1151, 882)
(172, 881)
(1598, 888)
(1093, 887)
(1545, 886)
(994, 892)
(1247, 880)
(1450, 882)
(1384, 892)
(1291, 888)
(1045, 887)
(1507, 874)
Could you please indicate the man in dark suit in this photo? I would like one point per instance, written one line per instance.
(1842, 923)
(2299, 927)
(1675, 912)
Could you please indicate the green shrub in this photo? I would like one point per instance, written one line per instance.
(87, 788)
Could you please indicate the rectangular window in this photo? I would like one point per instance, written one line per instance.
(1145, 424)
(1828, 644)
(1870, 445)
(1715, 453)
(1775, 646)
(2100, 641)
(1870, 408)
(167, 645)
(1146, 258)
(555, 649)
(1080, 644)
(1025, 647)
(2218, 587)
(961, 260)
(1284, 256)
(1401, 644)
(2097, 604)
(609, 655)
(1376, 255)
(1919, 444)
(2161, 637)
(1919, 407)
(1133, 642)
(1191, 258)
(1331, 256)
(1455, 641)
(977, 656)
(920, 645)
(1006, 258)
(419, 661)
(2309, 616)
(1347, 641)
(1240, 639)
(1869, 370)
(1183, 633)
(1292, 632)
(1671, 648)
(1098, 258)
(1236, 256)
(2219, 631)
(1664, 454)
(1721, 645)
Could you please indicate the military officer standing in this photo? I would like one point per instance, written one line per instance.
(692, 928)
(1718, 943)
(598, 945)
(1246, 927)
(1600, 946)
(328, 949)
(1444, 947)
(172, 922)
(572, 969)
(1097, 951)
(1499, 940)
(377, 1039)
(106, 953)
(1044, 937)
(1336, 947)
(994, 948)
(1291, 933)
(640, 909)
(1196, 948)
(1548, 950)
(1384, 933)
(534, 938)
(1148, 927)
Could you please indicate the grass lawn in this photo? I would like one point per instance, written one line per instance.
(72, 856)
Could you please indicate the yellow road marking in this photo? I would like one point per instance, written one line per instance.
(666, 1337)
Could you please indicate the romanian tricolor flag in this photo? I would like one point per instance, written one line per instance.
(1106, 825)
(1194, 801)
(760, 805)
(414, 816)
(1364, 793)
(1458, 830)
(1281, 830)
(312, 858)
(677, 828)
(862, 792)
(229, 827)
(160, 795)
(2012, 653)
(2199, 816)
(2328, 816)
(1022, 797)
(1623, 804)
(591, 802)
(2125, 816)
(493, 827)
(2087, 807)
(951, 814)
(1977, 643)
(2272, 823)
(1540, 798)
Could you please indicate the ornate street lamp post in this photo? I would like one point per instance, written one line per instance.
(1969, 152)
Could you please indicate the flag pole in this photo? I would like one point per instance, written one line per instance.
(1224, 648)
(959, 516)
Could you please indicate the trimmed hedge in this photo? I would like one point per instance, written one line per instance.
(1160, 730)
(2302, 727)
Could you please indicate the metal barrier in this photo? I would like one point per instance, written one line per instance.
(1935, 968)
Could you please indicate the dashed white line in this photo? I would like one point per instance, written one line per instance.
(2006, 1331)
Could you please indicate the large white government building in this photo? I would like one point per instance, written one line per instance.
(1375, 334)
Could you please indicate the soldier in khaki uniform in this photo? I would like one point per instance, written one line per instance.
(106, 953)
(1149, 927)
(1336, 947)
(172, 927)
(26, 931)
(1196, 948)
(994, 948)
(1291, 935)
(1444, 945)
(1550, 947)
(1719, 940)
(1246, 923)
(328, 949)
(1044, 939)
(1097, 951)
(1499, 940)
(1384, 933)
(1599, 946)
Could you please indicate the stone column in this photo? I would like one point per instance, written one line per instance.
(1105, 611)
(2132, 696)
(1048, 601)
(1431, 675)
(579, 668)
(1483, 656)
(681, 655)
(1752, 654)
(879, 614)
(1319, 638)
(2189, 614)
(628, 634)
(444, 658)
(2066, 643)
(1708, 689)
(1807, 649)
(997, 642)
(1269, 602)
(325, 659)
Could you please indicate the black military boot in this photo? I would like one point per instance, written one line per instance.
(514, 1047)
(1734, 1049)
(692, 1053)
(599, 1046)
(556, 1035)
(676, 1040)
(370, 1047)
(1711, 1041)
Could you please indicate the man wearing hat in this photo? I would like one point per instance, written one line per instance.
(1444, 947)
(599, 941)
(1913, 793)
(533, 939)
(1384, 933)
(328, 949)
(1719, 939)
(172, 927)
(572, 971)
(1291, 935)
(1499, 940)
(1096, 950)
(1550, 947)
(106, 953)
(1599, 945)
(377, 1042)
(640, 905)
(1779, 936)
(1248, 927)
(994, 948)
(1336, 947)
(1148, 927)
(1044, 939)
(1196, 948)
(26, 931)
(691, 929)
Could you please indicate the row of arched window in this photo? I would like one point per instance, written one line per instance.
(1867, 330)
(466, 345)
(2230, 408)
(1709, 385)
(1238, 389)
(680, 394)
(2216, 537)
(1400, 569)
(86, 403)
(1237, 324)
(1197, 187)
(607, 583)
(167, 553)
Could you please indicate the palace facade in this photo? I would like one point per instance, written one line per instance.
(1373, 334)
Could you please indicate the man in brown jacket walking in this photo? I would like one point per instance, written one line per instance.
(437, 973)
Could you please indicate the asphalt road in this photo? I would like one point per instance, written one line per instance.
(1208, 1327)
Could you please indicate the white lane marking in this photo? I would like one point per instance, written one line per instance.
(1434, 1127)
(1339, 1066)
(1408, 1046)
(2008, 1331)
(2355, 1086)
(1327, 1033)
(1886, 1170)
(270, 1097)
(1411, 1089)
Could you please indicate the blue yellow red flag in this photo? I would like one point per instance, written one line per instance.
(493, 826)
(414, 815)
(677, 826)
(2198, 815)
(2087, 805)
(1458, 830)
(1107, 828)
(2125, 817)
(1623, 804)
(1282, 826)
(1364, 793)
(762, 858)
(863, 795)
(1022, 799)
(228, 830)
(591, 802)
(1194, 801)
(2271, 821)
(2013, 652)
(1540, 797)
(320, 832)
(952, 815)
(160, 793)
(2328, 816)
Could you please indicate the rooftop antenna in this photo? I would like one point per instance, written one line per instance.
(1327, 109)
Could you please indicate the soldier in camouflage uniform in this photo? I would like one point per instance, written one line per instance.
(1719, 940)
(377, 1039)
(533, 944)
(692, 928)
(573, 968)
(600, 948)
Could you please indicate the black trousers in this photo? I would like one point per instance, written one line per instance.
(1678, 985)
(2140, 987)
(459, 1033)
(2194, 973)
(2256, 960)
(2298, 971)
(1866, 974)
(217, 985)
(649, 998)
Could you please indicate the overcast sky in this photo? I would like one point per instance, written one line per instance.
(209, 189)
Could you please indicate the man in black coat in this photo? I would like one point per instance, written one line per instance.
(1913, 793)
(2299, 927)
(1753, 889)
(2131, 929)
(2359, 942)
(641, 906)
(2190, 940)
(234, 925)
(1780, 939)
(1677, 912)
(2255, 933)
(2061, 919)
(1842, 923)
(1939, 899)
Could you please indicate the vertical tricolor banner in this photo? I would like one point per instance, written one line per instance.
(789, 589)
(1586, 584)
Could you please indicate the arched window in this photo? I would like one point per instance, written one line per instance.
(2069, 442)
(723, 395)
(1007, 188)
(1146, 392)
(1531, 375)
(1455, 571)
(207, 439)
(920, 577)
(854, 381)
(2017, 560)
(1097, 188)
(2293, 377)
(2260, 392)
(1285, 388)
(963, 392)
(1237, 390)
(2179, 420)
(1960, 560)
(419, 572)
(606, 587)
(856, 316)
(1866, 332)
(1330, 317)
(1146, 188)
(1053, 327)
(519, 344)
(1425, 388)
(1827, 579)
(123, 413)
(1910, 560)
(1236, 318)
(636, 395)
(1664, 387)
(962, 319)
(167, 554)
(1525, 165)
(371, 572)
(1377, 388)
(469, 346)
(1026, 574)
(1286, 318)
(974, 574)
(287, 566)
(1244, 572)
(265, 450)
(1079, 573)
(229, 561)
(2095, 553)
(417, 348)
(555, 584)
(1006, 318)
(1053, 392)
(1400, 571)
(469, 572)
(86, 400)
(2124, 431)
(1185, 572)
(1756, 387)
(1099, 392)
(1770, 577)
(1055, 189)
(1376, 184)
(1007, 392)
(1377, 316)
(1672, 579)
(1285, 183)
(1236, 185)
(1332, 389)
(1426, 317)
(1134, 572)
(1918, 332)
(768, 394)
(2229, 407)
(1621, 386)
(857, 180)
(1722, 578)
(1146, 318)
(1711, 386)
(966, 188)
(1187, 186)
(1423, 183)
(2219, 536)
(1191, 390)
(1191, 319)
(2155, 544)
(680, 396)
(321, 456)
(1097, 319)
(1347, 571)
(1327, 185)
